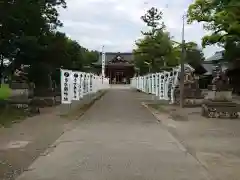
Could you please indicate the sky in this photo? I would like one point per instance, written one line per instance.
(116, 24)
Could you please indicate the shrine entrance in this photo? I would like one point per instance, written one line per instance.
(119, 75)
(119, 67)
(119, 78)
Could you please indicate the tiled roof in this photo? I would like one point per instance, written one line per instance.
(209, 67)
(127, 56)
(216, 57)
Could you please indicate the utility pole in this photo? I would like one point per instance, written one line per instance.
(182, 65)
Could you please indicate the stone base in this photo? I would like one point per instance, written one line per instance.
(194, 93)
(19, 85)
(20, 90)
(219, 95)
(24, 104)
(219, 88)
(191, 102)
(189, 93)
(20, 93)
(192, 97)
(220, 109)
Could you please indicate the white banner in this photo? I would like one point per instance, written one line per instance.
(166, 83)
(163, 84)
(157, 84)
(81, 85)
(66, 81)
(76, 86)
(103, 62)
(88, 83)
(84, 84)
(91, 83)
(153, 84)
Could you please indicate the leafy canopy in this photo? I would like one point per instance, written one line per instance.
(220, 17)
(153, 48)
(28, 35)
(156, 49)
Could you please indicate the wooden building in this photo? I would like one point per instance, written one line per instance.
(232, 69)
(119, 67)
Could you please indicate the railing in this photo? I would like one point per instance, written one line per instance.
(75, 85)
(160, 84)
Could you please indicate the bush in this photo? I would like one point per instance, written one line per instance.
(5, 92)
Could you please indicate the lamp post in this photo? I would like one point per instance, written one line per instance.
(182, 64)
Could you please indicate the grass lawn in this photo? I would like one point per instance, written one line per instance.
(9, 115)
(5, 91)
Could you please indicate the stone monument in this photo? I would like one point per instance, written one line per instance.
(19, 83)
(192, 93)
(22, 91)
(19, 79)
(218, 101)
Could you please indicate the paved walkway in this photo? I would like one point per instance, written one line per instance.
(118, 139)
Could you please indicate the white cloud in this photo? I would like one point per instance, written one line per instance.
(117, 23)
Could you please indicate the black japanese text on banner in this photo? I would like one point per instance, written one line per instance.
(76, 85)
(66, 81)
(84, 84)
(81, 85)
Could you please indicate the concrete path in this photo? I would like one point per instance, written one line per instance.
(118, 139)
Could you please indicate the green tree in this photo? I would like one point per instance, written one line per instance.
(194, 54)
(153, 19)
(232, 50)
(221, 18)
(25, 18)
(156, 44)
(28, 36)
(60, 52)
(24, 26)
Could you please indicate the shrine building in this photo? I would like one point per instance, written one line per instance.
(119, 67)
